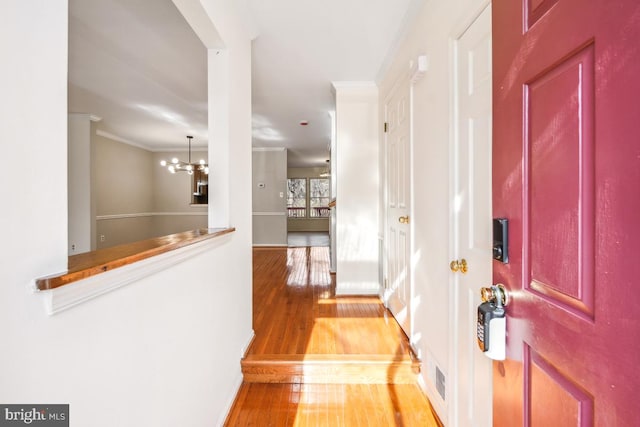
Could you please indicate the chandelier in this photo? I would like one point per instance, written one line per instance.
(326, 173)
(176, 165)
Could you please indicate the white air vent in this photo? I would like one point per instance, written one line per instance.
(436, 376)
(440, 383)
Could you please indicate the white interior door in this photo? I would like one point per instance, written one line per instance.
(472, 226)
(398, 199)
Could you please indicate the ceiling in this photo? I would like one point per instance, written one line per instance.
(138, 66)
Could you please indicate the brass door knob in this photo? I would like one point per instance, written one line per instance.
(487, 294)
(459, 265)
(403, 220)
(494, 294)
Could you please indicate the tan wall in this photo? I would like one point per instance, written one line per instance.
(269, 230)
(307, 224)
(148, 200)
(113, 232)
(269, 203)
(123, 175)
(169, 224)
(80, 215)
(172, 192)
(305, 172)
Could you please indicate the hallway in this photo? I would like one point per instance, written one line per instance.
(322, 360)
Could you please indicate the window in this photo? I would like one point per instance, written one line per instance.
(296, 197)
(319, 197)
(308, 202)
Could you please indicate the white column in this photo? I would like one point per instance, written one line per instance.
(219, 138)
(357, 188)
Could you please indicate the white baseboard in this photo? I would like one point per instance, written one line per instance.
(224, 414)
(360, 291)
(237, 383)
(429, 390)
(245, 348)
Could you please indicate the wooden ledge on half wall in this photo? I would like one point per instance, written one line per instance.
(89, 264)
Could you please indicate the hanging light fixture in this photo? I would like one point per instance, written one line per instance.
(326, 173)
(176, 165)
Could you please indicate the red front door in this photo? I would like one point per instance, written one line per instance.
(566, 159)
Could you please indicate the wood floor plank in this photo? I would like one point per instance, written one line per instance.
(292, 300)
(323, 359)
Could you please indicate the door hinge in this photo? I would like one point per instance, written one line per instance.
(386, 127)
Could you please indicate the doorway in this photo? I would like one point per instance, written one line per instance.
(471, 232)
(397, 286)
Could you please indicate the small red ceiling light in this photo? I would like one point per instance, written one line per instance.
(304, 122)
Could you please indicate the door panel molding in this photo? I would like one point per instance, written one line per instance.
(559, 183)
(554, 397)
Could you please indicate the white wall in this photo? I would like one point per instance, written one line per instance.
(163, 351)
(357, 188)
(332, 218)
(431, 34)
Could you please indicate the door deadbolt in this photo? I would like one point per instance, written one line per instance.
(459, 265)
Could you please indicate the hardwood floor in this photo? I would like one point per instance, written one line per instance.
(296, 310)
(322, 360)
(331, 405)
